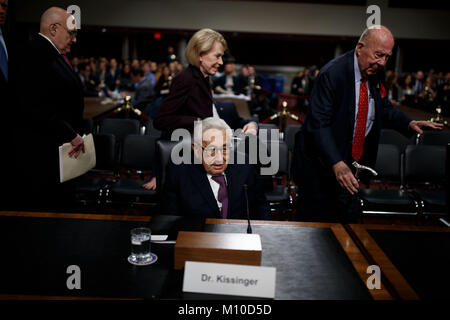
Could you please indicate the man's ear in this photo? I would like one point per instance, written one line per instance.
(358, 48)
(52, 29)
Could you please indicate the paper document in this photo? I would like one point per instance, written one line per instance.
(71, 167)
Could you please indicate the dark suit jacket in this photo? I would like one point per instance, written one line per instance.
(143, 95)
(50, 109)
(327, 134)
(110, 79)
(188, 192)
(221, 82)
(227, 111)
(189, 98)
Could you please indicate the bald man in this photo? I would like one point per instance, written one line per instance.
(348, 108)
(50, 106)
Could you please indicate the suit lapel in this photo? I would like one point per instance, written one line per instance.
(66, 70)
(351, 88)
(199, 177)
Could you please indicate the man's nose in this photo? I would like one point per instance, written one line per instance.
(382, 62)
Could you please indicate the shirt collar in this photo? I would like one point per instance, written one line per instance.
(356, 66)
(50, 42)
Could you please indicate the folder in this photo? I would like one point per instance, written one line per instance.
(71, 167)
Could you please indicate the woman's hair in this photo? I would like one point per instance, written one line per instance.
(200, 43)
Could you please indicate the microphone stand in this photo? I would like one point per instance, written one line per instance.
(249, 227)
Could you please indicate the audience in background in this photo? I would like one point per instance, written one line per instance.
(143, 94)
(112, 79)
(101, 77)
(392, 88)
(125, 82)
(227, 83)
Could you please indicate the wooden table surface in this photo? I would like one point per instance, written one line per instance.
(358, 245)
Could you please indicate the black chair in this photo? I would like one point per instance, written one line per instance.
(93, 186)
(388, 202)
(390, 136)
(137, 158)
(435, 138)
(425, 177)
(150, 129)
(277, 186)
(88, 125)
(289, 135)
(267, 127)
(120, 128)
(163, 157)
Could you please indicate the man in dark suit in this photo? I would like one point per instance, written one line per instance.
(227, 83)
(214, 187)
(51, 110)
(348, 108)
(143, 94)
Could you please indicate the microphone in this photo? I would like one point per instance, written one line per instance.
(249, 228)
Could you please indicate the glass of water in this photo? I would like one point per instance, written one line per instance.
(140, 247)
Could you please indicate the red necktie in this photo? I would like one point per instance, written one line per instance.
(361, 119)
(67, 60)
(223, 194)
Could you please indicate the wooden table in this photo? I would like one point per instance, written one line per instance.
(94, 108)
(314, 260)
(99, 244)
(414, 261)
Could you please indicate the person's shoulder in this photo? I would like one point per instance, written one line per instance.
(145, 83)
(185, 76)
(336, 65)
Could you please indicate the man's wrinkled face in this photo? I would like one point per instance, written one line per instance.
(373, 55)
(65, 34)
(214, 151)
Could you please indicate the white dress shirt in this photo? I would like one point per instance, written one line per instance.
(371, 111)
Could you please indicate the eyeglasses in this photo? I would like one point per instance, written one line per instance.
(72, 33)
(211, 151)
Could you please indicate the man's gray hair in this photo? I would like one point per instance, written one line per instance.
(211, 123)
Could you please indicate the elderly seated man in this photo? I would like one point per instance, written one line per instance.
(211, 186)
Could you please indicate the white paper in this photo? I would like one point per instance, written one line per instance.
(71, 167)
(229, 279)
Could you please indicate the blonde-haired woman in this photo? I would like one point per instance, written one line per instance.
(190, 96)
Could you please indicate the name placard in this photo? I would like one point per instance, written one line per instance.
(229, 279)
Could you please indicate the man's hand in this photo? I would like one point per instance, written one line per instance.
(250, 128)
(77, 146)
(345, 177)
(418, 125)
(151, 185)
